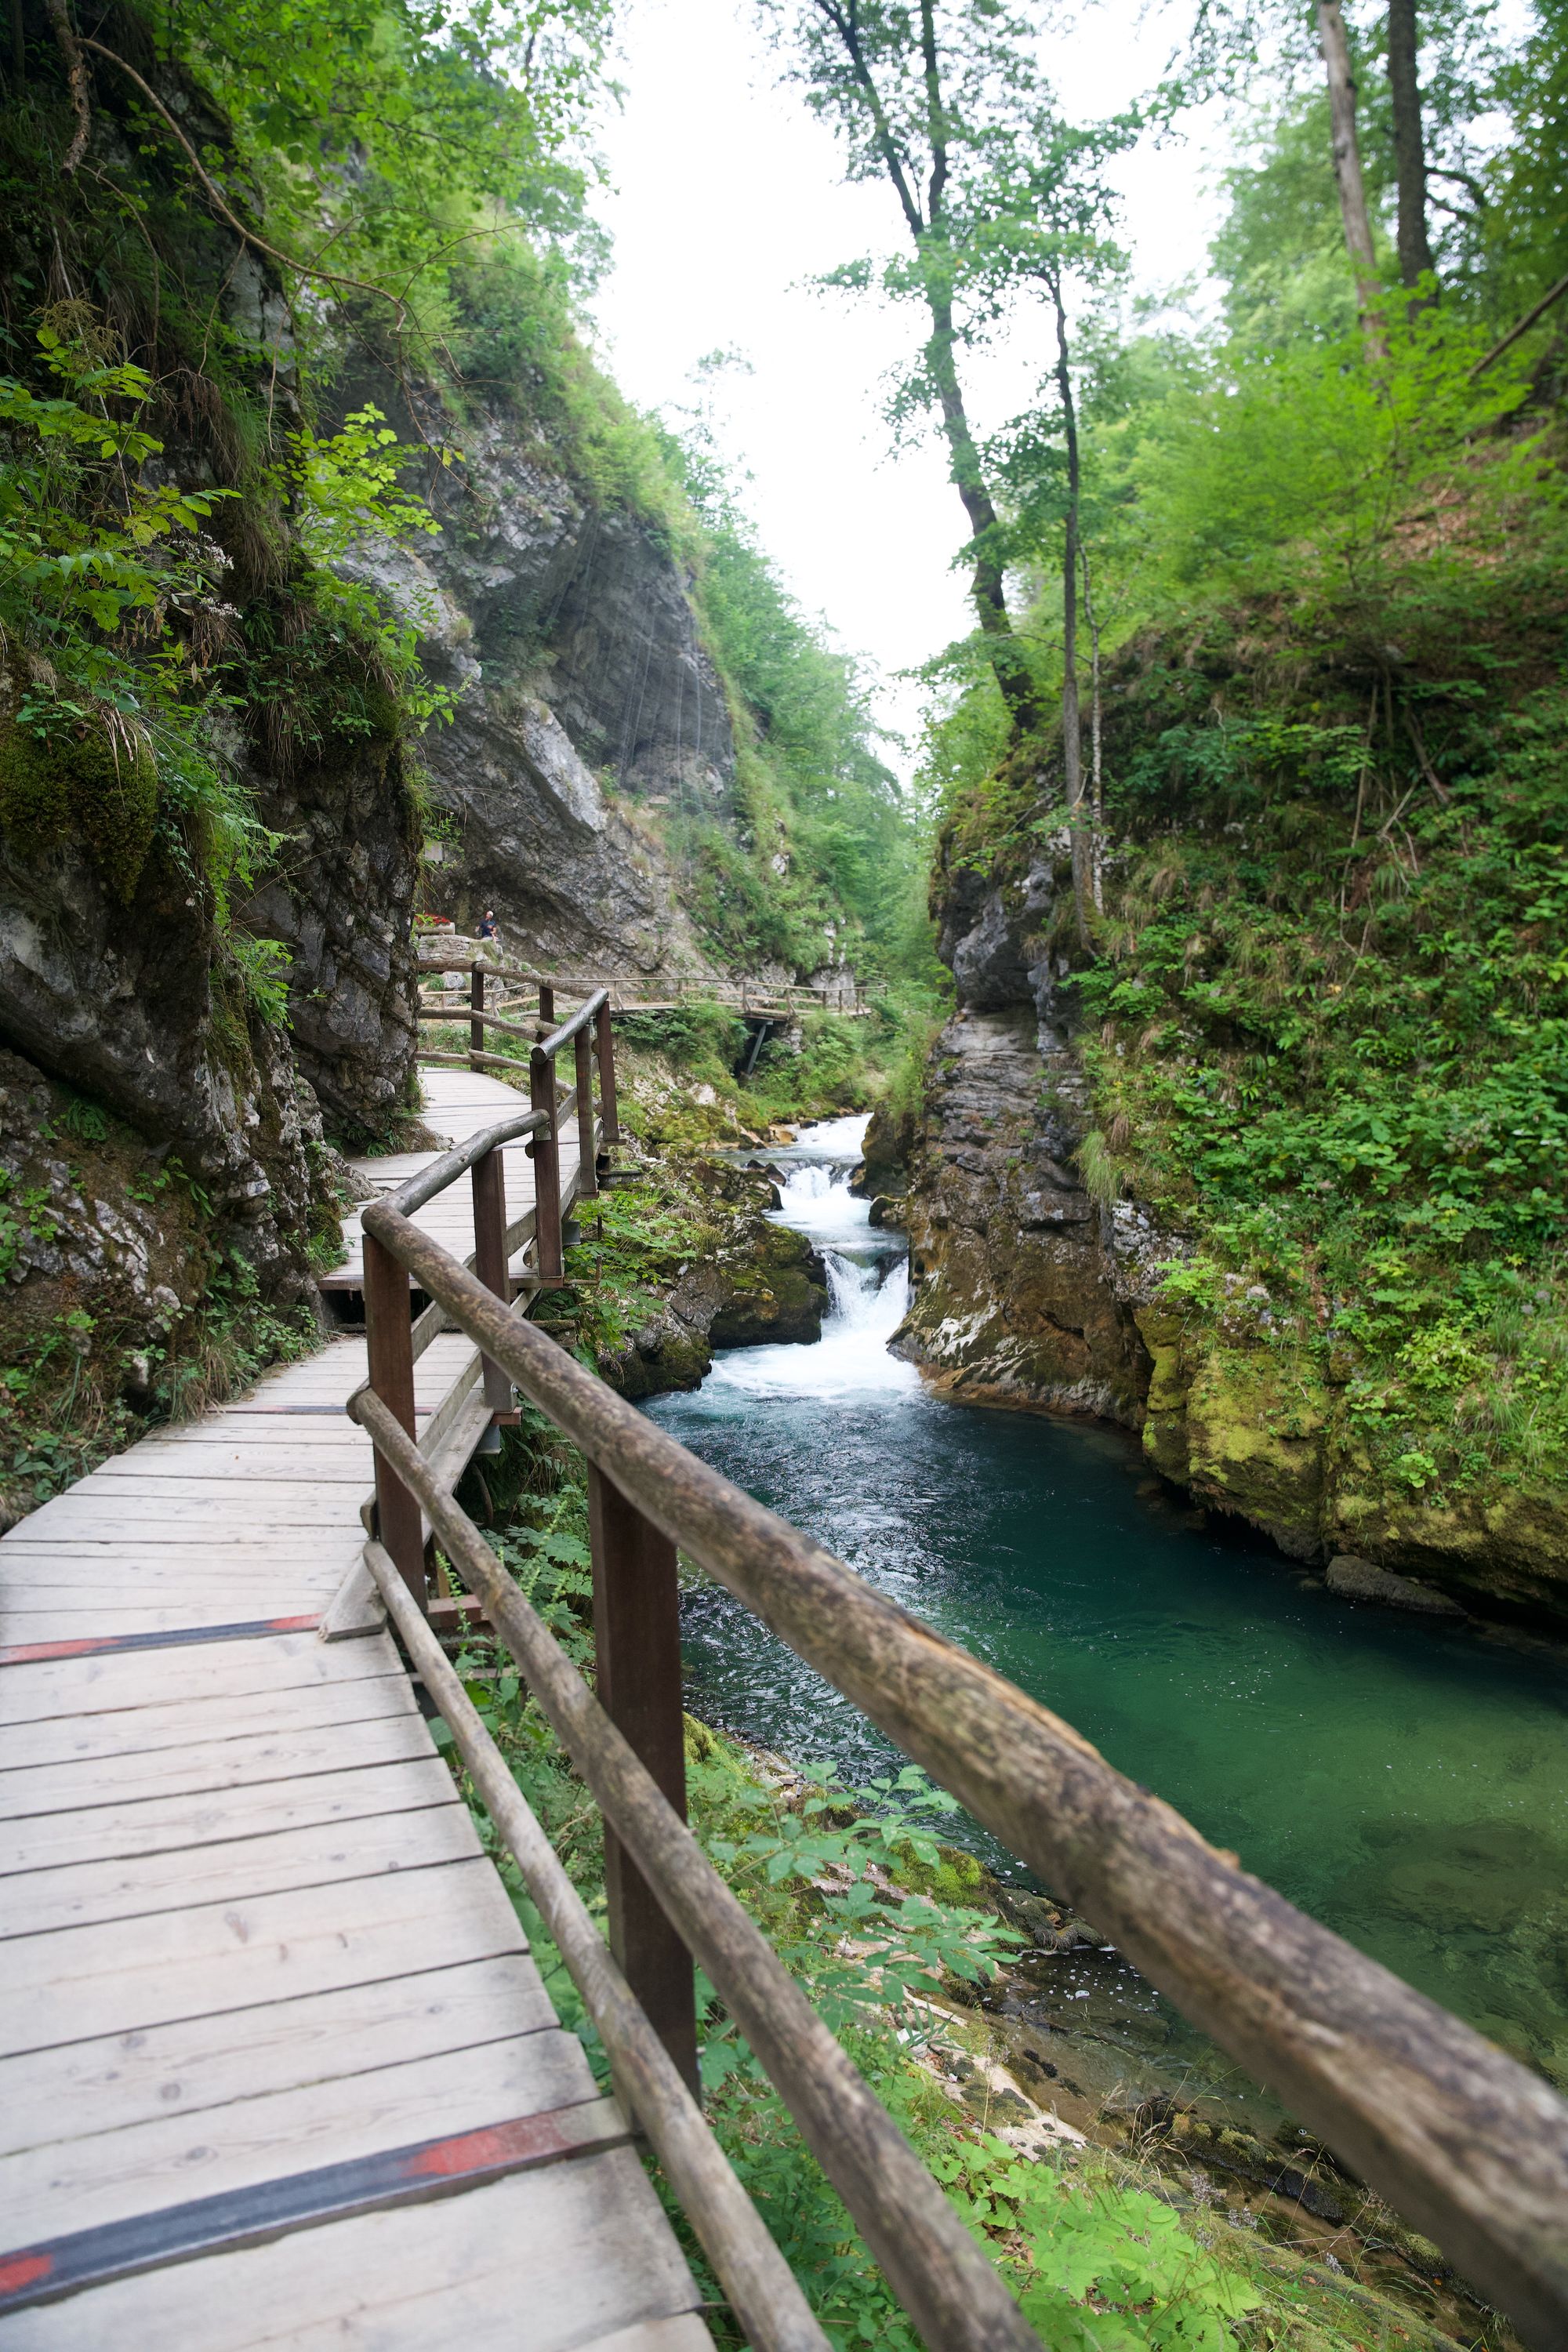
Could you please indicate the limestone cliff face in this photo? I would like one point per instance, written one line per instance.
(134, 1003)
(341, 898)
(1025, 1285)
(1032, 1293)
(587, 707)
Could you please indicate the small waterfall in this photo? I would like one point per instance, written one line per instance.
(868, 1283)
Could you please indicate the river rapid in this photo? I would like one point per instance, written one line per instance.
(1403, 1780)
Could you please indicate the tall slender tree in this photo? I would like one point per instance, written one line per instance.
(1334, 44)
(1039, 213)
(1409, 142)
(911, 90)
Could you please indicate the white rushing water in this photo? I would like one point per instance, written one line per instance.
(868, 1283)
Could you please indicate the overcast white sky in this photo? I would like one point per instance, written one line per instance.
(726, 198)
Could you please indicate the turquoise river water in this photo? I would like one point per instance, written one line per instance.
(1404, 1781)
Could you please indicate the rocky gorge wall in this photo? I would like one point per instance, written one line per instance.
(587, 707)
(1035, 1291)
(1027, 1288)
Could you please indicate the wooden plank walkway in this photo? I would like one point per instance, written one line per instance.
(276, 2066)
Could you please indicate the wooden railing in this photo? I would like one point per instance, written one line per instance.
(389, 1333)
(636, 993)
(1470, 2146)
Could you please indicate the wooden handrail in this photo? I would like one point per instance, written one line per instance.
(425, 1182)
(935, 2267)
(588, 1011)
(529, 1029)
(1468, 2145)
(753, 2273)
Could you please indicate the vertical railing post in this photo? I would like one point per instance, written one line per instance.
(546, 1006)
(389, 1350)
(545, 1152)
(587, 1168)
(475, 1007)
(637, 1645)
(607, 1109)
(490, 1259)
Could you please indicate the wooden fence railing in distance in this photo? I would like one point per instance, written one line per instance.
(1470, 2146)
(659, 992)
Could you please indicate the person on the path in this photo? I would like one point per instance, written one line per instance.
(490, 928)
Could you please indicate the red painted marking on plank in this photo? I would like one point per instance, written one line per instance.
(25, 1654)
(18, 2270)
(477, 2151)
(269, 2208)
(33, 1654)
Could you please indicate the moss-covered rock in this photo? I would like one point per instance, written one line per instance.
(1256, 1426)
(744, 1282)
(85, 787)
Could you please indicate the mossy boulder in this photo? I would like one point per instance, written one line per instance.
(1257, 1421)
(85, 787)
(778, 1295)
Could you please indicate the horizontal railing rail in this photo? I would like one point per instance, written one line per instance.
(635, 994)
(1466, 2143)
(425, 1182)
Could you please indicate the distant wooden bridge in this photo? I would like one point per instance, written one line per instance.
(276, 2065)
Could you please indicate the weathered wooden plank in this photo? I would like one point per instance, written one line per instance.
(167, 1469)
(252, 1547)
(33, 1620)
(108, 2175)
(305, 1419)
(130, 1974)
(274, 1662)
(554, 2260)
(73, 1610)
(191, 1721)
(684, 2334)
(222, 1765)
(81, 1894)
(105, 1831)
(198, 2063)
(222, 1566)
(239, 1503)
(355, 1610)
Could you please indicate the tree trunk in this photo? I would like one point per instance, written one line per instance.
(1008, 659)
(1097, 763)
(1409, 142)
(1072, 717)
(1357, 221)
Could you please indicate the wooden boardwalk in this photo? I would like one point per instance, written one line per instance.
(276, 2066)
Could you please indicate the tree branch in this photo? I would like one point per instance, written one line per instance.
(936, 114)
(850, 37)
(1461, 179)
(214, 195)
(1523, 327)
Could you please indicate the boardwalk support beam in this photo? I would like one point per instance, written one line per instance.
(389, 1348)
(636, 1648)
